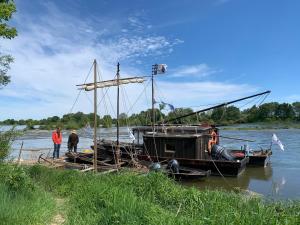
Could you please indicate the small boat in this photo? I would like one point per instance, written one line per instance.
(188, 174)
(180, 173)
(256, 157)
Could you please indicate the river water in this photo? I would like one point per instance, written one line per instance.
(279, 180)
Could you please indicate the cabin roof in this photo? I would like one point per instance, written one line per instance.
(173, 127)
(163, 135)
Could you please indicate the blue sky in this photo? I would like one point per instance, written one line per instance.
(216, 50)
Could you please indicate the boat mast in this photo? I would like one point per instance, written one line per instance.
(154, 72)
(95, 116)
(217, 106)
(118, 108)
(102, 84)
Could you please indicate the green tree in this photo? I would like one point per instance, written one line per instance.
(7, 8)
(232, 113)
(107, 121)
(296, 108)
(181, 112)
(251, 114)
(284, 111)
(266, 112)
(218, 114)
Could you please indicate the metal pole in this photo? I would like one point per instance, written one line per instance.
(95, 116)
(118, 111)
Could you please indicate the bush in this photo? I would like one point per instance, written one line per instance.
(15, 178)
(6, 139)
(21, 202)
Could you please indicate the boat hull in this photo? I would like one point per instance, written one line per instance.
(188, 174)
(258, 158)
(217, 167)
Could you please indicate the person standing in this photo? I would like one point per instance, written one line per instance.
(73, 141)
(57, 139)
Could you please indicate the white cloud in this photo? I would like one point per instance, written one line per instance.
(292, 98)
(199, 70)
(54, 53)
(200, 93)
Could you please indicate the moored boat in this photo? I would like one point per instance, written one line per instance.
(256, 157)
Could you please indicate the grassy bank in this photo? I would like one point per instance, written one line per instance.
(21, 201)
(126, 198)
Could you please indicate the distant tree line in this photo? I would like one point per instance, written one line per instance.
(268, 112)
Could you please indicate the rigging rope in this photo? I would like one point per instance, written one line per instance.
(81, 89)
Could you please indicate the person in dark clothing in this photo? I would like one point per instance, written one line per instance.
(73, 141)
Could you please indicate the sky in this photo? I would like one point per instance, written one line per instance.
(216, 51)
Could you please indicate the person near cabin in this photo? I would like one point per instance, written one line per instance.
(212, 140)
(73, 141)
(57, 139)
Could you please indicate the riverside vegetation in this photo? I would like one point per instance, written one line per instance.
(271, 115)
(29, 195)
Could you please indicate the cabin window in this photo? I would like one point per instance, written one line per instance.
(170, 148)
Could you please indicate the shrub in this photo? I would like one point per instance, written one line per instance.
(6, 139)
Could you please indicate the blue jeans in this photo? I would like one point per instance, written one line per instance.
(56, 151)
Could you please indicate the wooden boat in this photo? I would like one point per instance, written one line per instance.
(176, 171)
(88, 158)
(256, 157)
(189, 146)
(188, 174)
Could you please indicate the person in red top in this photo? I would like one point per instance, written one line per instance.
(57, 139)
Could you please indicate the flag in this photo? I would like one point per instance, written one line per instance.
(171, 107)
(275, 140)
(163, 104)
(131, 136)
(160, 68)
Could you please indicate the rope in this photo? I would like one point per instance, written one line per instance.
(106, 93)
(263, 99)
(81, 89)
(226, 182)
(143, 91)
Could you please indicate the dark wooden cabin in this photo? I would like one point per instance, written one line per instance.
(188, 145)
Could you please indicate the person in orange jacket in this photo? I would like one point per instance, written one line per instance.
(57, 139)
(213, 140)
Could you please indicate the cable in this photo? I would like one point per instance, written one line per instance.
(81, 89)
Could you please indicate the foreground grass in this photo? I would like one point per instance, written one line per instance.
(22, 202)
(127, 198)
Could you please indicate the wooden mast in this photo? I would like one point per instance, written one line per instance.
(154, 70)
(118, 110)
(95, 116)
(101, 84)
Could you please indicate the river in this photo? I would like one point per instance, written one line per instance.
(279, 180)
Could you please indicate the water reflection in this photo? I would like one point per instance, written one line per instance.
(241, 182)
(277, 186)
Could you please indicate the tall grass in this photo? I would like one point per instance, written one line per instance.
(126, 198)
(22, 202)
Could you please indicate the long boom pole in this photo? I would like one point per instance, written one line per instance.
(218, 106)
